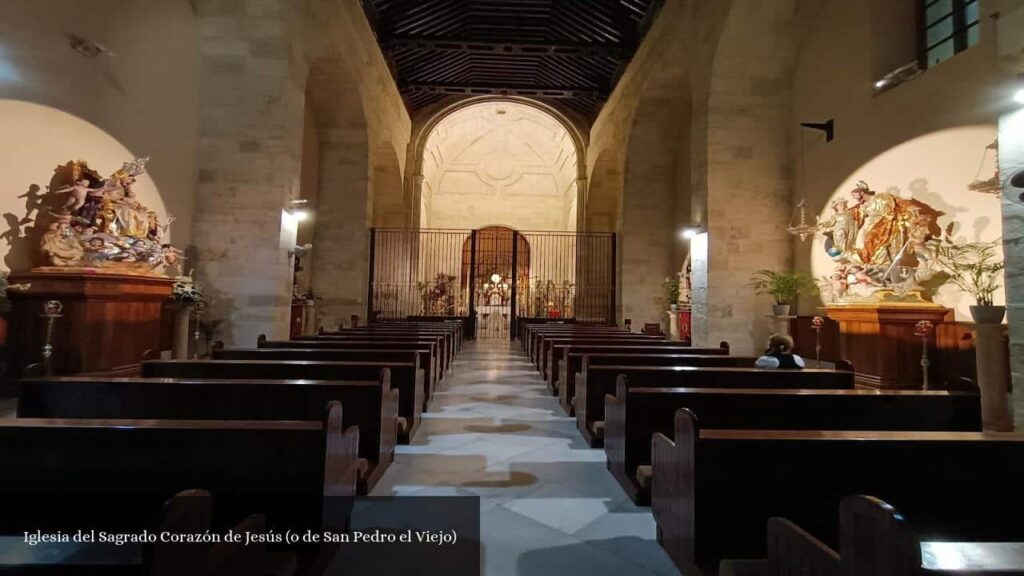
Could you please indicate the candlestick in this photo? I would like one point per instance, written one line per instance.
(922, 329)
(51, 311)
(817, 322)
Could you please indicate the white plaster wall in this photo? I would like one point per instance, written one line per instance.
(145, 99)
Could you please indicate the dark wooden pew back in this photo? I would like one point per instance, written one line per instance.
(571, 369)
(369, 406)
(601, 380)
(714, 490)
(337, 354)
(65, 471)
(633, 415)
(406, 377)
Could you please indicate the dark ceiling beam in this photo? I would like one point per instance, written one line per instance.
(480, 89)
(524, 48)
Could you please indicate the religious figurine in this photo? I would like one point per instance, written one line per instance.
(59, 245)
(101, 224)
(880, 246)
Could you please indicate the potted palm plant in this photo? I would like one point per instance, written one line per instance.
(783, 287)
(671, 288)
(975, 268)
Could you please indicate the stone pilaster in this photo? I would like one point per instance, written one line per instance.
(249, 157)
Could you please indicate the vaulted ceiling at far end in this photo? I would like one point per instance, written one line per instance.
(566, 53)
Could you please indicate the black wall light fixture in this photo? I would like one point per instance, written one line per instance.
(829, 128)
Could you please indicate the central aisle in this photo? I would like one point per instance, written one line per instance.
(548, 505)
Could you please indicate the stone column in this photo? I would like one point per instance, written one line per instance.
(249, 157)
(341, 237)
(991, 358)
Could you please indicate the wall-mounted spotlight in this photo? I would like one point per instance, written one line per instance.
(297, 208)
(690, 232)
(1019, 97)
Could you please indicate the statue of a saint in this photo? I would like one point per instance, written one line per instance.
(841, 227)
(875, 214)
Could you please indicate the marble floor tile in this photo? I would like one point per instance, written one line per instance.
(548, 504)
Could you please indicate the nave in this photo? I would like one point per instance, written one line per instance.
(548, 504)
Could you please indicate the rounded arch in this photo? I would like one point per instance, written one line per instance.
(498, 160)
(425, 125)
(389, 207)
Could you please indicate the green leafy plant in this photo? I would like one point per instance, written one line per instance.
(783, 287)
(974, 267)
(671, 289)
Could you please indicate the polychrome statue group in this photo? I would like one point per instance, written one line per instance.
(93, 222)
(881, 245)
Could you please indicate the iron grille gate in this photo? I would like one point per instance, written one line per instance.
(491, 277)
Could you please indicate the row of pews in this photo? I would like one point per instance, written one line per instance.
(752, 471)
(267, 439)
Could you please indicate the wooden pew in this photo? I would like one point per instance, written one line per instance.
(453, 330)
(713, 490)
(62, 474)
(544, 342)
(187, 512)
(610, 339)
(602, 380)
(370, 406)
(406, 377)
(330, 353)
(535, 333)
(571, 368)
(448, 338)
(633, 415)
(440, 351)
(875, 539)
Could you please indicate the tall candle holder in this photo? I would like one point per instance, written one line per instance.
(922, 329)
(817, 322)
(199, 309)
(51, 311)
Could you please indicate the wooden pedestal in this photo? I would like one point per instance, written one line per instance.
(109, 320)
(879, 340)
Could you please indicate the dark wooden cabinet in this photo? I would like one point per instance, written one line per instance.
(108, 321)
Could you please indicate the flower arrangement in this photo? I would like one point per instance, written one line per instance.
(186, 290)
(439, 296)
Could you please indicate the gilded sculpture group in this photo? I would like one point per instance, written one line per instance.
(880, 245)
(95, 222)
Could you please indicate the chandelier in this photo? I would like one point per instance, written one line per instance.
(801, 229)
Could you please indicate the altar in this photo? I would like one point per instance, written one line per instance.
(493, 320)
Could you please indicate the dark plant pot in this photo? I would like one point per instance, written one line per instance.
(988, 314)
(780, 310)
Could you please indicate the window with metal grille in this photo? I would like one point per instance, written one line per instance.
(947, 27)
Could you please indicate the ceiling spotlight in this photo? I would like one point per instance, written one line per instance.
(881, 83)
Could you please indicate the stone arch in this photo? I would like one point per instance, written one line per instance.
(604, 195)
(344, 204)
(389, 207)
(501, 161)
(424, 126)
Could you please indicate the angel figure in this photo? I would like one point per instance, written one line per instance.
(79, 190)
(841, 226)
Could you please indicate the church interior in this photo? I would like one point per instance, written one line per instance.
(516, 287)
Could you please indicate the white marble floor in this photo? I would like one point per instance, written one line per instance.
(547, 503)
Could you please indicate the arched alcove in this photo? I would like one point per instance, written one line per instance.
(344, 205)
(499, 161)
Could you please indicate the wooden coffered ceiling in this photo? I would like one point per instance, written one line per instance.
(566, 53)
